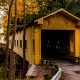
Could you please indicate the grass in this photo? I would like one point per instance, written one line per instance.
(1, 72)
(62, 77)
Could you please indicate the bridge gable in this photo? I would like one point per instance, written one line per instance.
(60, 19)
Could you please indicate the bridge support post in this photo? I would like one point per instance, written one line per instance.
(37, 36)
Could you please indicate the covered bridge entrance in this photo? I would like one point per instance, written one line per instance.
(55, 43)
(57, 34)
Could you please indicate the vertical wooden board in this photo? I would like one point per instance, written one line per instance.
(29, 38)
(58, 22)
(17, 49)
(37, 45)
(77, 42)
(45, 23)
(72, 43)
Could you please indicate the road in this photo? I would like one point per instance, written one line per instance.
(71, 71)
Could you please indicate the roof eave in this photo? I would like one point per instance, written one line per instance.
(64, 12)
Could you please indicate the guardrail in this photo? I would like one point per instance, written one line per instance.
(57, 75)
(32, 72)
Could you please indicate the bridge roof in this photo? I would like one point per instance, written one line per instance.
(63, 12)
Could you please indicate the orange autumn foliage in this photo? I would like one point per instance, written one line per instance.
(31, 7)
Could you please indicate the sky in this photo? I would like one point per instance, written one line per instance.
(1, 29)
(1, 15)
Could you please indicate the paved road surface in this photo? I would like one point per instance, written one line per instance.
(71, 71)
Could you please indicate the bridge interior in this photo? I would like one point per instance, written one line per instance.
(55, 43)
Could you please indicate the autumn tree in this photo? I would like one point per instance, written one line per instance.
(23, 9)
(7, 45)
(12, 55)
(26, 10)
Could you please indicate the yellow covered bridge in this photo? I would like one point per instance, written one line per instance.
(56, 34)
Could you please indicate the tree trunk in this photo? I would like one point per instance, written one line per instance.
(12, 55)
(6, 75)
(24, 32)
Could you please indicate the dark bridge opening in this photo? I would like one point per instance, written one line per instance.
(55, 43)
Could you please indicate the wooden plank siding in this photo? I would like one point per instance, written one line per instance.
(77, 42)
(72, 43)
(37, 33)
(29, 44)
(59, 20)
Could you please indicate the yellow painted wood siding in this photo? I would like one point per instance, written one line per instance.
(77, 42)
(72, 43)
(33, 37)
(30, 51)
(29, 38)
(37, 36)
(58, 22)
(17, 49)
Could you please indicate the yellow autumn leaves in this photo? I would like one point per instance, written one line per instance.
(4, 21)
(19, 9)
(31, 7)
